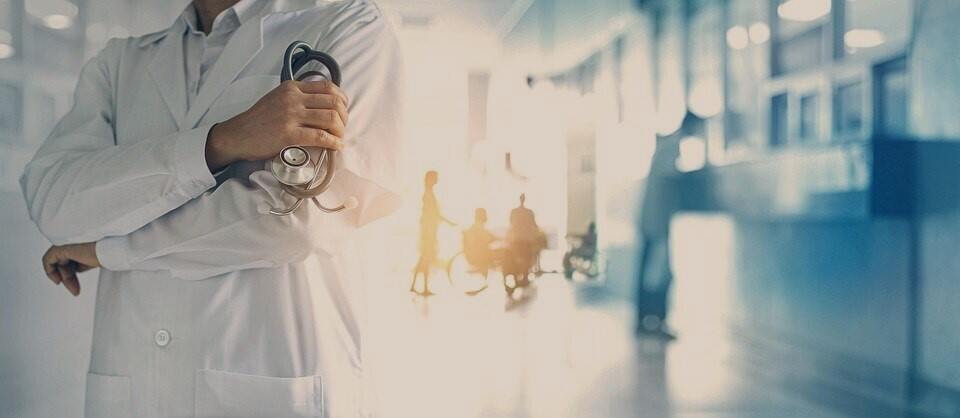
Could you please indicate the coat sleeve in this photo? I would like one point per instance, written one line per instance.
(81, 186)
(230, 229)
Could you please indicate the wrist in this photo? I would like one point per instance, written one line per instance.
(218, 152)
(86, 254)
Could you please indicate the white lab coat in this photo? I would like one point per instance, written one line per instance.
(208, 305)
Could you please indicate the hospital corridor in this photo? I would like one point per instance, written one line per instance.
(480, 208)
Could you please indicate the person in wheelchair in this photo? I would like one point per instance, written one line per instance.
(583, 251)
(524, 240)
(477, 244)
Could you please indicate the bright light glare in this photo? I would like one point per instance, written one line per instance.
(693, 154)
(6, 51)
(863, 38)
(44, 8)
(58, 21)
(737, 37)
(706, 98)
(759, 32)
(803, 10)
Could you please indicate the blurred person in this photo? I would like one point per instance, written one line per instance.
(207, 304)
(477, 242)
(660, 200)
(524, 242)
(430, 219)
(585, 249)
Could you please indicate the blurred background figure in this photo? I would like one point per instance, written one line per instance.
(582, 254)
(477, 244)
(430, 219)
(524, 242)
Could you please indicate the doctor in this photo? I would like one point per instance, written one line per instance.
(207, 305)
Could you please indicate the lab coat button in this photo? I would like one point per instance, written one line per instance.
(162, 338)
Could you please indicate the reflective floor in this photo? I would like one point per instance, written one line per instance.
(545, 355)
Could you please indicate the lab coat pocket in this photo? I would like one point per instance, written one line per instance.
(225, 394)
(107, 396)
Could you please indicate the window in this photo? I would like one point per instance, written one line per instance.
(800, 27)
(748, 48)
(809, 118)
(779, 121)
(891, 97)
(848, 109)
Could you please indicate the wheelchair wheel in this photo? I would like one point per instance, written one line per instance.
(464, 277)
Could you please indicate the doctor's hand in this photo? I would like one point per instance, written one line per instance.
(305, 113)
(63, 262)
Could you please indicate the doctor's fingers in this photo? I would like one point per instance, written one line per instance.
(328, 101)
(314, 137)
(70, 280)
(52, 259)
(50, 266)
(323, 87)
(326, 119)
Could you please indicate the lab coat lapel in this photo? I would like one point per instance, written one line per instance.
(166, 70)
(240, 50)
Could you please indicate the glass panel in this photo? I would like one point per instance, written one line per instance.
(799, 36)
(875, 23)
(809, 117)
(848, 109)
(893, 81)
(748, 46)
(779, 120)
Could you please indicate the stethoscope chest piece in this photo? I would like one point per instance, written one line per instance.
(293, 167)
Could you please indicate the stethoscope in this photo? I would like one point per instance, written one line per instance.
(295, 169)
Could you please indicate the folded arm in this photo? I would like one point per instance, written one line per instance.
(230, 229)
(81, 186)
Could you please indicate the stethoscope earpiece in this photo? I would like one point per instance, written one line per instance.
(294, 168)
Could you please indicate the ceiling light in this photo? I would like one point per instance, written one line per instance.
(42, 8)
(803, 10)
(737, 37)
(863, 38)
(759, 33)
(57, 21)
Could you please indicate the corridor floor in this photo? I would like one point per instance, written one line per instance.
(544, 355)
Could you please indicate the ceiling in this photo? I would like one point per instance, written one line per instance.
(487, 13)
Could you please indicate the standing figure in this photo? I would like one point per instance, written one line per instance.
(207, 304)
(524, 242)
(430, 218)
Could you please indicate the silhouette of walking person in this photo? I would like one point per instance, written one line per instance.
(430, 219)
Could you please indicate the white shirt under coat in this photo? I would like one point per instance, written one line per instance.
(207, 305)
